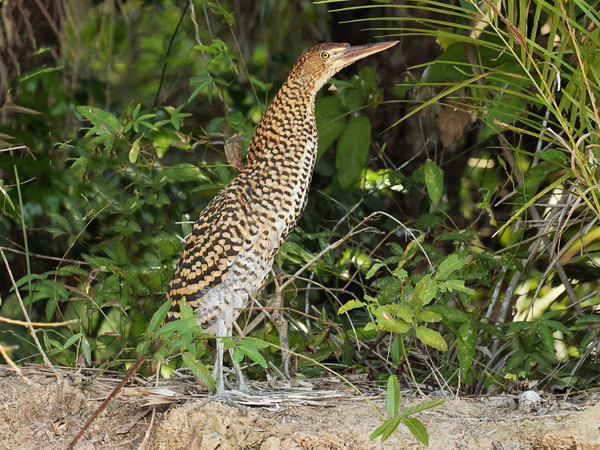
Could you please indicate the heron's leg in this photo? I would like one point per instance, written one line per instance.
(220, 330)
(241, 386)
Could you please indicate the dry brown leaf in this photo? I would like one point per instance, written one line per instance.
(452, 122)
(233, 152)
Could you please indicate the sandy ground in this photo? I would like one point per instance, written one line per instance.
(47, 414)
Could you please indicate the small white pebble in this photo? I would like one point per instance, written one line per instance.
(529, 401)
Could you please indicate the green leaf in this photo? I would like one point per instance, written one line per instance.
(62, 221)
(459, 235)
(177, 325)
(6, 196)
(39, 72)
(352, 304)
(386, 429)
(434, 180)
(516, 326)
(556, 325)
(103, 120)
(417, 429)
(352, 151)
(425, 290)
(199, 370)
(449, 265)
(428, 316)
(87, 351)
(432, 338)
(452, 314)
(393, 395)
(465, 346)
(134, 152)
(546, 338)
(517, 358)
(456, 285)
(80, 167)
(250, 348)
(51, 305)
(72, 340)
(185, 172)
(422, 407)
(330, 121)
(373, 270)
(386, 321)
(159, 315)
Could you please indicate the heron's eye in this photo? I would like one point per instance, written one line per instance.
(325, 55)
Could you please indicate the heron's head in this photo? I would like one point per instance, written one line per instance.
(323, 61)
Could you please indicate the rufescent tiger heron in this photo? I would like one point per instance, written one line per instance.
(230, 251)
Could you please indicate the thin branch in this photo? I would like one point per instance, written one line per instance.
(36, 324)
(17, 369)
(164, 69)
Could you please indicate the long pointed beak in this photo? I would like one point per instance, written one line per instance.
(357, 52)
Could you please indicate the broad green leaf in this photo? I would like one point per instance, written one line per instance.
(159, 315)
(373, 270)
(393, 395)
(134, 152)
(397, 326)
(450, 265)
(185, 172)
(422, 407)
(457, 285)
(516, 326)
(417, 429)
(428, 316)
(72, 340)
(186, 311)
(546, 338)
(556, 325)
(250, 348)
(87, 351)
(452, 314)
(328, 133)
(62, 221)
(403, 312)
(330, 121)
(80, 167)
(425, 290)
(466, 345)
(348, 351)
(32, 276)
(51, 305)
(516, 359)
(102, 120)
(352, 304)
(182, 324)
(295, 253)
(199, 370)
(434, 180)
(352, 151)
(432, 338)
(386, 429)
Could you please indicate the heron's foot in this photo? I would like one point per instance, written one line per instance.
(242, 388)
(223, 397)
